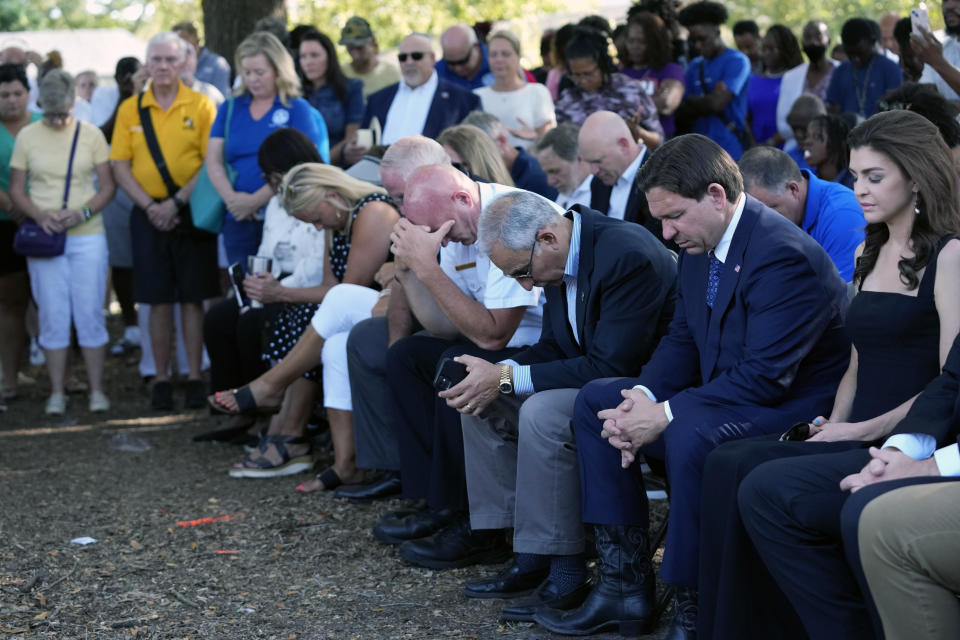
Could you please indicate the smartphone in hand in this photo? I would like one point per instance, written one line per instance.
(919, 17)
(449, 374)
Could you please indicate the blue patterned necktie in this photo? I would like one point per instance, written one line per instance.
(713, 279)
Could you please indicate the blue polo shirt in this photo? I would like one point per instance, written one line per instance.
(834, 219)
(528, 175)
(733, 69)
(482, 78)
(246, 134)
(847, 85)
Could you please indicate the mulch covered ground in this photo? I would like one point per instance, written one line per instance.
(184, 551)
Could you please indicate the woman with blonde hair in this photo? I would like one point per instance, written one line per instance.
(525, 108)
(475, 151)
(357, 218)
(266, 100)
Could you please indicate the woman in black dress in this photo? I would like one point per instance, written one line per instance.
(902, 322)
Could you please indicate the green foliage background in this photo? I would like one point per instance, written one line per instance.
(392, 19)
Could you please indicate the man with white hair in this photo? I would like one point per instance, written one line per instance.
(420, 104)
(159, 143)
(610, 289)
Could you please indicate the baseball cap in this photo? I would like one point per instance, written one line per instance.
(357, 32)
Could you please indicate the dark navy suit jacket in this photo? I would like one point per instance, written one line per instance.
(774, 339)
(626, 289)
(450, 105)
(936, 411)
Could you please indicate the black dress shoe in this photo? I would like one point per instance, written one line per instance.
(545, 596)
(394, 529)
(388, 484)
(457, 545)
(509, 583)
(684, 624)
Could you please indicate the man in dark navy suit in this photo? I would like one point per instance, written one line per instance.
(756, 342)
(421, 103)
(610, 289)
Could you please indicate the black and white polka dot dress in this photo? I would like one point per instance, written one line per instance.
(293, 319)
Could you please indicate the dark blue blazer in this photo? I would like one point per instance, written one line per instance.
(626, 289)
(450, 105)
(774, 338)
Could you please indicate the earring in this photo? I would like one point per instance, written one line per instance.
(916, 205)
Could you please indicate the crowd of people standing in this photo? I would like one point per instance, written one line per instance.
(513, 295)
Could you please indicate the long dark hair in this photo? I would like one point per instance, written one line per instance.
(335, 77)
(657, 38)
(787, 44)
(590, 44)
(915, 145)
(835, 130)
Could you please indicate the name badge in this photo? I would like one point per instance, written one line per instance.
(469, 265)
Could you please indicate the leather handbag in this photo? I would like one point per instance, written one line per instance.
(30, 240)
(206, 206)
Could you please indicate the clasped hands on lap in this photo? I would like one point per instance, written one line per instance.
(635, 422)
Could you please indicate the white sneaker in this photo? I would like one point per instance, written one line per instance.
(37, 358)
(56, 404)
(99, 402)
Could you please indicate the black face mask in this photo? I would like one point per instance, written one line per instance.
(815, 52)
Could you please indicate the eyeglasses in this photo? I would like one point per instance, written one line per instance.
(416, 55)
(584, 75)
(53, 116)
(528, 270)
(460, 63)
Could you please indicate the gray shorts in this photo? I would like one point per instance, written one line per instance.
(116, 222)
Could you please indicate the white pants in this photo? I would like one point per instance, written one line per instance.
(344, 306)
(71, 288)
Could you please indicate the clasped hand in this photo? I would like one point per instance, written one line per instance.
(888, 464)
(163, 215)
(415, 245)
(481, 386)
(822, 430)
(636, 421)
(58, 221)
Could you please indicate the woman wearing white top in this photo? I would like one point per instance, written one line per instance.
(525, 108)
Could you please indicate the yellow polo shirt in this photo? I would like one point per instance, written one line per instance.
(182, 131)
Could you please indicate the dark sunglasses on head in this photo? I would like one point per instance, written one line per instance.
(465, 60)
(416, 55)
(796, 433)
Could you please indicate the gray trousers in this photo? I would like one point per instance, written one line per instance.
(521, 462)
(372, 401)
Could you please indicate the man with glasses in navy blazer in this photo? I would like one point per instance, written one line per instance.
(756, 342)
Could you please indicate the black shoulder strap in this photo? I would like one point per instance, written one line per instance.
(151, 138)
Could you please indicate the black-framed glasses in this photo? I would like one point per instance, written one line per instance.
(528, 270)
(416, 55)
(584, 75)
(460, 63)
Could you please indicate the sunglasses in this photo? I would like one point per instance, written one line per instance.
(460, 63)
(796, 433)
(416, 55)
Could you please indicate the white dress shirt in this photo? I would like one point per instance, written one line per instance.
(580, 195)
(408, 112)
(921, 446)
(620, 194)
(720, 251)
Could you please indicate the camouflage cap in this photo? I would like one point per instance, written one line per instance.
(357, 33)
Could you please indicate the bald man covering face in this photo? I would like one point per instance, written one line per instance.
(467, 306)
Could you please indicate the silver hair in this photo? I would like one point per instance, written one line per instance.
(409, 154)
(169, 37)
(486, 122)
(57, 90)
(513, 220)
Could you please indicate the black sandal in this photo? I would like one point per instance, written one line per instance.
(245, 403)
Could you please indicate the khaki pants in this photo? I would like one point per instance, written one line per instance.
(910, 548)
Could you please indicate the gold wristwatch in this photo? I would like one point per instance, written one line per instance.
(506, 384)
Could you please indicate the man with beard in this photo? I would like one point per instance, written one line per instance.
(941, 59)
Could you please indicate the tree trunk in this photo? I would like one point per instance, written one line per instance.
(227, 22)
